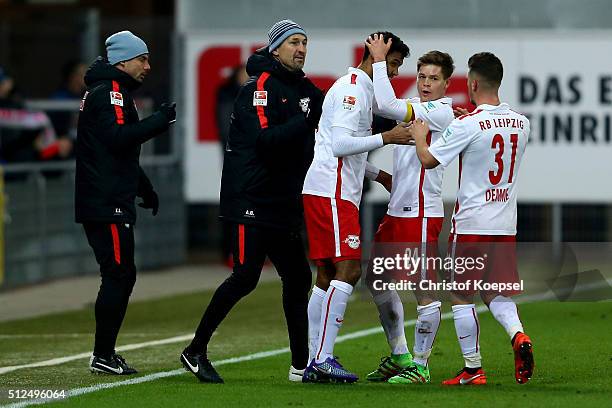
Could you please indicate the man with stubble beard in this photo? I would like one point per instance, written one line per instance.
(269, 149)
(109, 178)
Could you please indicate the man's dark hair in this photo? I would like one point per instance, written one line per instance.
(396, 45)
(488, 67)
(69, 68)
(440, 59)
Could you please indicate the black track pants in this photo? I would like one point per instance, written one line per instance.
(113, 246)
(250, 246)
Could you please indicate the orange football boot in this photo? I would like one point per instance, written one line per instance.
(523, 358)
(465, 378)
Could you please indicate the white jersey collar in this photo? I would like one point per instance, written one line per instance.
(444, 99)
(487, 107)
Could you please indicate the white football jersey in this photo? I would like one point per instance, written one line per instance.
(417, 192)
(347, 104)
(490, 143)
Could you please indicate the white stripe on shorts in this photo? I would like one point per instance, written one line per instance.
(334, 208)
(453, 247)
(424, 249)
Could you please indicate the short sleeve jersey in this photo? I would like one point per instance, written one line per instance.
(490, 143)
(348, 104)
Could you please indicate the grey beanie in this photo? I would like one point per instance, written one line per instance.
(280, 31)
(123, 46)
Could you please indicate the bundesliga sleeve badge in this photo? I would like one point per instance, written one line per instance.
(348, 103)
(116, 98)
(260, 98)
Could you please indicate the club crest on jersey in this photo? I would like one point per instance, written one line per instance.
(260, 98)
(116, 98)
(352, 241)
(349, 102)
(304, 102)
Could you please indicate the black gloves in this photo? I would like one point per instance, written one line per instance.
(315, 108)
(169, 111)
(150, 200)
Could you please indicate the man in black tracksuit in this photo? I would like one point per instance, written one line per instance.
(108, 179)
(269, 150)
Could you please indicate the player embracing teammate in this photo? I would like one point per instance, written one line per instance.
(415, 213)
(332, 193)
(490, 143)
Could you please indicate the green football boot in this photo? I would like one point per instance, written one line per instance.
(390, 366)
(415, 374)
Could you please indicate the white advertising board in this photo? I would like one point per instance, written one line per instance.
(561, 81)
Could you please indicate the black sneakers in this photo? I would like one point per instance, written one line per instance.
(198, 365)
(114, 365)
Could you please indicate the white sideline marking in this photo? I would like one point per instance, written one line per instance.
(255, 356)
(127, 347)
(151, 377)
(67, 335)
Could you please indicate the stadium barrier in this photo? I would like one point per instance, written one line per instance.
(1, 224)
(40, 241)
(43, 242)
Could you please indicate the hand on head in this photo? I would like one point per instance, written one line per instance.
(378, 47)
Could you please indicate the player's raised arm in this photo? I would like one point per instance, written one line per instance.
(387, 104)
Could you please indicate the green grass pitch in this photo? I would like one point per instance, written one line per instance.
(572, 349)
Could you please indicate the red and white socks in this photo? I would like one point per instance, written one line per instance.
(332, 317)
(391, 314)
(315, 304)
(425, 331)
(467, 327)
(505, 312)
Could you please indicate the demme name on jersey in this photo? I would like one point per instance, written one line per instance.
(497, 195)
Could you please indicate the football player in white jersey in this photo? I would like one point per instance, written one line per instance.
(332, 193)
(490, 143)
(415, 213)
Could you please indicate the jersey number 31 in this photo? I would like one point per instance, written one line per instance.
(498, 145)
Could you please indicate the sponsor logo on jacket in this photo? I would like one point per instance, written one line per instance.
(82, 106)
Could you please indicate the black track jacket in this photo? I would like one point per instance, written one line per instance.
(109, 135)
(270, 146)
